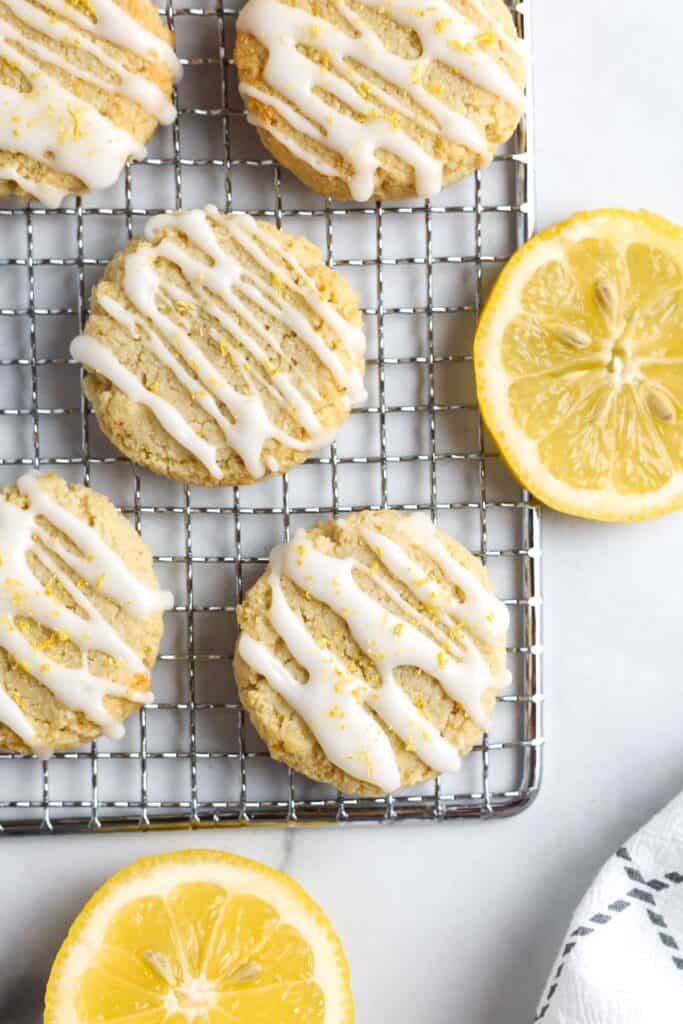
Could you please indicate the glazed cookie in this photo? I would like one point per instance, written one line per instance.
(371, 652)
(380, 99)
(83, 84)
(221, 349)
(80, 616)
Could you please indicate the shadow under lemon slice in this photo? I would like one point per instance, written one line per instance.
(200, 937)
(579, 365)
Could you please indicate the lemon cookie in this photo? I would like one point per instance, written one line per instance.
(371, 651)
(222, 349)
(380, 99)
(80, 616)
(83, 85)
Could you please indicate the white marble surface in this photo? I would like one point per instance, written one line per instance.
(461, 922)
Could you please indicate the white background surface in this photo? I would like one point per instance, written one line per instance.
(461, 922)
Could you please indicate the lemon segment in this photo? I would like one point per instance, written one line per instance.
(579, 365)
(200, 937)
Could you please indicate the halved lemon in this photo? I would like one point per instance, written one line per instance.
(200, 937)
(579, 365)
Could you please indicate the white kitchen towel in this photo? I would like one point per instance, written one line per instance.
(622, 959)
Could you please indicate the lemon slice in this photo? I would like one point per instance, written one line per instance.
(579, 365)
(200, 937)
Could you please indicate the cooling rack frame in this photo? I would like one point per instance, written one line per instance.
(37, 803)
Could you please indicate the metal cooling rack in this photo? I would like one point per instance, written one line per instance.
(422, 271)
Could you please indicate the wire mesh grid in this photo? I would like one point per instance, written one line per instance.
(422, 271)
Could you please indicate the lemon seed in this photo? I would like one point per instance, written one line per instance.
(573, 336)
(660, 405)
(606, 297)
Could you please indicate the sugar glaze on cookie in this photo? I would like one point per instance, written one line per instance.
(436, 637)
(24, 597)
(52, 124)
(225, 288)
(310, 60)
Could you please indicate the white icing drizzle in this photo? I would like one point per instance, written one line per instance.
(50, 123)
(117, 26)
(333, 701)
(482, 612)
(247, 426)
(446, 36)
(98, 357)
(23, 596)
